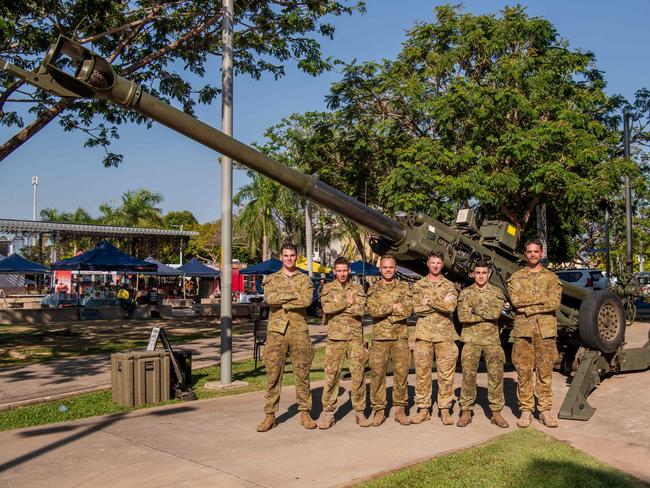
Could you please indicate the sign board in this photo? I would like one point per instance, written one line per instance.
(153, 339)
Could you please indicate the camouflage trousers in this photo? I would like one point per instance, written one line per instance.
(399, 353)
(538, 354)
(446, 356)
(298, 345)
(494, 359)
(335, 353)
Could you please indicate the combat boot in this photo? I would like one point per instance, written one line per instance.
(306, 421)
(422, 416)
(400, 416)
(465, 418)
(498, 420)
(525, 418)
(378, 418)
(548, 419)
(361, 419)
(445, 416)
(326, 420)
(267, 424)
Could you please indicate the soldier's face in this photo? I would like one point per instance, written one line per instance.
(342, 272)
(481, 276)
(387, 268)
(289, 257)
(533, 254)
(435, 265)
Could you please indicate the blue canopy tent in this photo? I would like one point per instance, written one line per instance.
(264, 268)
(105, 257)
(358, 268)
(163, 269)
(196, 269)
(16, 264)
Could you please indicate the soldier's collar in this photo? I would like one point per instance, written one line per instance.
(291, 273)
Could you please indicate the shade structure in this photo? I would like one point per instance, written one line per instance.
(195, 268)
(264, 268)
(163, 269)
(316, 267)
(105, 257)
(16, 264)
(358, 268)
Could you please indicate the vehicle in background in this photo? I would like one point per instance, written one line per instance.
(642, 280)
(589, 279)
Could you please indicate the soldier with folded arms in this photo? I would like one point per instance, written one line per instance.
(288, 293)
(343, 305)
(479, 308)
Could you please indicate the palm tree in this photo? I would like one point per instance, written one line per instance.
(138, 209)
(259, 198)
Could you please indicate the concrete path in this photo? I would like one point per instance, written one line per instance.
(214, 443)
(52, 380)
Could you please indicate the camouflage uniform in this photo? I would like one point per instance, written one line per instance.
(479, 310)
(288, 295)
(536, 297)
(343, 306)
(389, 338)
(435, 337)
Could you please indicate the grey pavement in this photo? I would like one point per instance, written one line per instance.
(214, 442)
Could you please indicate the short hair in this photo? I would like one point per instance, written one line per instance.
(436, 254)
(288, 245)
(342, 260)
(535, 241)
(481, 263)
(387, 256)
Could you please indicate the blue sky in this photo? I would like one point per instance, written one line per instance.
(188, 175)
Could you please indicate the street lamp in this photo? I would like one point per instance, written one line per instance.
(34, 186)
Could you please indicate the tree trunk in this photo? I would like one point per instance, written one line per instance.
(25, 134)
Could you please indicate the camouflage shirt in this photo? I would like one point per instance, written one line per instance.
(343, 306)
(433, 311)
(536, 297)
(288, 295)
(479, 310)
(389, 323)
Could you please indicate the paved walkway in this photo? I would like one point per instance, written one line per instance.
(51, 380)
(214, 443)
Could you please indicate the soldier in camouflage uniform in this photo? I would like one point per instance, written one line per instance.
(434, 300)
(536, 294)
(288, 293)
(343, 305)
(389, 304)
(479, 309)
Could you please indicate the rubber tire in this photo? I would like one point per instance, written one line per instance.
(590, 308)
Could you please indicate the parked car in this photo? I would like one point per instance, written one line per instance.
(643, 282)
(589, 279)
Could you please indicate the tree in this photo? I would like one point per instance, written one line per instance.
(154, 43)
(493, 112)
(138, 209)
(176, 219)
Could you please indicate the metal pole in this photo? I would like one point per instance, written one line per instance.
(34, 186)
(629, 263)
(226, 196)
(309, 243)
(608, 264)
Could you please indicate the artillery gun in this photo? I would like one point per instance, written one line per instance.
(591, 325)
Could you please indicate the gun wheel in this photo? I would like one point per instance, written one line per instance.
(602, 321)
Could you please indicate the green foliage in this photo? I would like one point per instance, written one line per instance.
(157, 44)
(523, 458)
(493, 112)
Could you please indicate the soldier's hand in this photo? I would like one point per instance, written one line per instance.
(449, 297)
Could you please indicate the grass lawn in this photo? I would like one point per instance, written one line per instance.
(521, 459)
(100, 403)
(21, 344)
